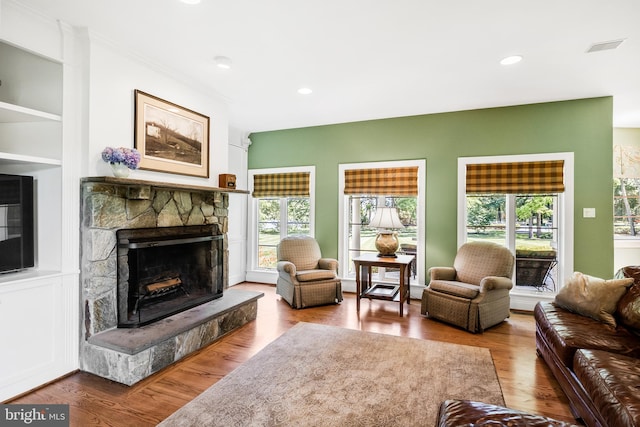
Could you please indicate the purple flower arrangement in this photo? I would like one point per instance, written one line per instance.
(130, 157)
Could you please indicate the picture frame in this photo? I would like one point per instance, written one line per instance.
(169, 137)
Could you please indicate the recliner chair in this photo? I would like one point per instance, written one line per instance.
(305, 279)
(474, 293)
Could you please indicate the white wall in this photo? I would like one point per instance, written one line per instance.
(30, 30)
(114, 74)
(238, 146)
(113, 77)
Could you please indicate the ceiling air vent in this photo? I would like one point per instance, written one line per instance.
(597, 47)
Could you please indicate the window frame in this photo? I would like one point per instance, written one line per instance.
(565, 200)
(343, 213)
(267, 275)
(619, 236)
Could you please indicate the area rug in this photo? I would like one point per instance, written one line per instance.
(317, 375)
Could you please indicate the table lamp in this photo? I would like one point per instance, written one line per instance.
(386, 220)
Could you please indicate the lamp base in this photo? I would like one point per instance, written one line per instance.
(387, 244)
(387, 256)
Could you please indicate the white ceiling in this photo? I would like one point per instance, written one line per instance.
(370, 59)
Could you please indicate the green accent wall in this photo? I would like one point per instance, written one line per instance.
(583, 127)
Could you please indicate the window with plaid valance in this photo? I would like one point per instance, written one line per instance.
(291, 184)
(401, 181)
(516, 177)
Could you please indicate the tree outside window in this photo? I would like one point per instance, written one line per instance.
(279, 218)
(362, 237)
(533, 236)
(626, 207)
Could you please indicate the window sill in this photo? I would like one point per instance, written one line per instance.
(631, 243)
(526, 300)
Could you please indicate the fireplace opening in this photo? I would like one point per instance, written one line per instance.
(163, 271)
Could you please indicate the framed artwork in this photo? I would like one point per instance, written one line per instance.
(170, 138)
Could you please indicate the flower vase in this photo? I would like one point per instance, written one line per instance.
(120, 170)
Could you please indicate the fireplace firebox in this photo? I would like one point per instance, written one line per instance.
(163, 271)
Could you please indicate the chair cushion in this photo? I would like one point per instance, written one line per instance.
(477, 260)
(313, 275)
(303, 251)
(458, 289)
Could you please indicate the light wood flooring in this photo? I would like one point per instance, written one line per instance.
(527, 383)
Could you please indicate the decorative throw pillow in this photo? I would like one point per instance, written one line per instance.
(593, 297)
(628, 311)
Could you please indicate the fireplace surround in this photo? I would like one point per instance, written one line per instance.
(125, 220)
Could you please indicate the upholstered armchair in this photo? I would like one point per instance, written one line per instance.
(305, 279)
(474, 293)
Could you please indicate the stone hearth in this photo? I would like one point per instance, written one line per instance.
(129, 355)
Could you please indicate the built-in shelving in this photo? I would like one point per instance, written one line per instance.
(11, 113)
(31, 144)
(17, 159)
(39, 306)
(27, 276)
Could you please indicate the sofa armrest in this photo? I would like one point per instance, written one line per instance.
(328, 264)
(442, 273)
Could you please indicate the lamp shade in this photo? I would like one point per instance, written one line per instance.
(386, 218)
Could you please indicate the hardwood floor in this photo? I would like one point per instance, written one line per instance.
(527, 383)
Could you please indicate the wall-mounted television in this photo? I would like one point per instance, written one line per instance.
(17, 243)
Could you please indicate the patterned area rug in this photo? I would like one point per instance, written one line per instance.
(316, 375)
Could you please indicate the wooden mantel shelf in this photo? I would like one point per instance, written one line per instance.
(163, 185)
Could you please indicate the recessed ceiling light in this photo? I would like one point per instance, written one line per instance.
(304, 91)
(510, 60)
(190, 1)
(222, 62)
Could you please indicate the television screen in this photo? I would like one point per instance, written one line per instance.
(16, 222)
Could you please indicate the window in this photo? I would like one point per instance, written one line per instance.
(362, 237)
(626, 208)
(368, 186)
(534, 234)
(282, 205)
(626, 193)
(278, 218)
(526, 204)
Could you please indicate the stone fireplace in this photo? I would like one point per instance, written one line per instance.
(154, 275)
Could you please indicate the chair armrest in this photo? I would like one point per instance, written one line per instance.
(442, 273)
(492, 283)
(328, 264)
(286, 267)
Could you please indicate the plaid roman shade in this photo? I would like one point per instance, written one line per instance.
(293, 184)
(382, 181)
(518, 177)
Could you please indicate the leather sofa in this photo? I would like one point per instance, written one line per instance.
(457, 413)
(596, 365)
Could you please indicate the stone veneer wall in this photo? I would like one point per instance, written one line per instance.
(109, 204)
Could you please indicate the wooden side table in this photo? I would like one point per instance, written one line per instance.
(365, 288)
